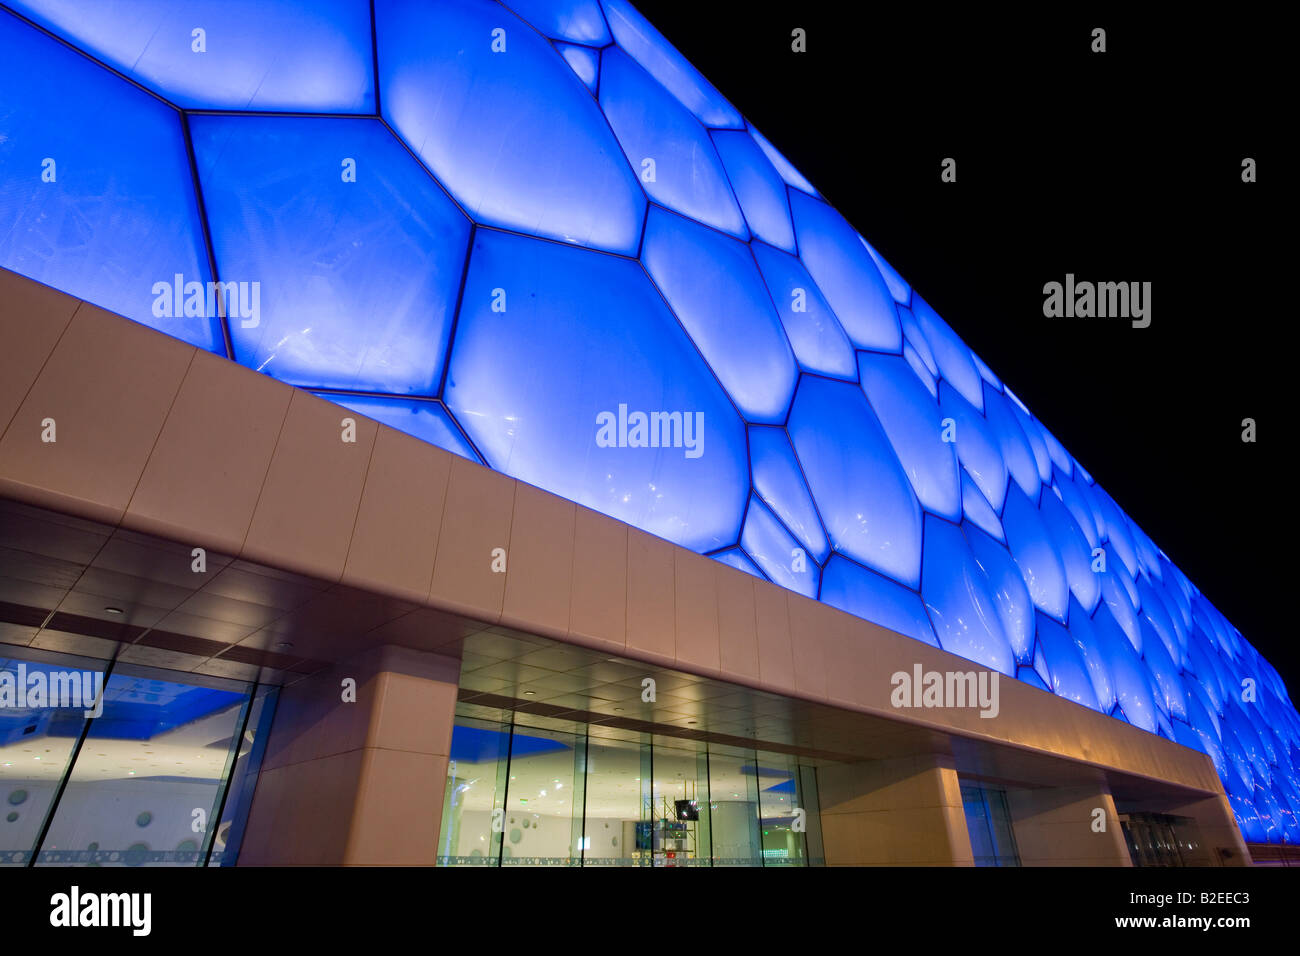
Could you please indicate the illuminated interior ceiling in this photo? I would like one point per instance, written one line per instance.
(494, 226)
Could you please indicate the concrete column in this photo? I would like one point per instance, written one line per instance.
(1214, 826)
(357, 783)
(904, 811)
(1057, 826)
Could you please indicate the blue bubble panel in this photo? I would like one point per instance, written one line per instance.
(715, 288)
(648, 47)
(666, 146)
(779, 480)
(977, 446)
(898, 287)
(427, 421)
(911, 419)
(1090, 651)
(584, 61)
(776, 551)
(513, 135)
(875, 598)
(735, 558)
(866, 501)
(357, 252)
(1017, 454)
(557, 383)
(782, 165)
(1072, 547)
(96, 197)
(950, 352)
(1129, 676)
(1068, 672)
(578, 21)
(819, 343)
(227, 54)
(758, 187)
(1035, 554)
(956, 594)
(846, 275)
(976, 509)
(1007, 587)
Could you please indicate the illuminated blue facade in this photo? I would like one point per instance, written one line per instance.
(495, 225)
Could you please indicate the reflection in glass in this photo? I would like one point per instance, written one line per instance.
(149, 776)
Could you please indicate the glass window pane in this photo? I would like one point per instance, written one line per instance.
(541, 799)
(733, 802)
(680, 798)
(617, 801)
(474, 799)
(36, 745)
(150, 774)
(229, 832)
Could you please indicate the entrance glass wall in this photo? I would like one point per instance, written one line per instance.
(531, 791)
(162, 775)
(988, 821)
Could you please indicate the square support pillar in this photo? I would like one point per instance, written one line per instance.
(1059, 826)
(903, 811)
(357, 783)
(1219, 840)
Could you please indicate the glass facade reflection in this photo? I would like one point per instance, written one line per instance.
(580, 795)
(163, 776)
(988, 821)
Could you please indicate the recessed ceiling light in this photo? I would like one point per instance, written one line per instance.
(530, 693)
(284, 644)
(113, 610)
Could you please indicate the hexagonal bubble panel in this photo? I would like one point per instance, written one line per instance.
(950, 352)
(578, 21)
(1089, 647)
(1129, 676)
(976, 509)
(1007, 587)
(923, 374)
(735, 558)
(1065, 664)
(913, 336)
(425, 420)
(911, 419)
(228, 54)
(584, 61)
(898, 287)
(1017, 454)
(782, 165)
(956, 594)
(1072, 547)
(569, 372)
(819, 343)
(661, 60)
(866, 501)
(715, 288)
(873, 597)
(780, 482)
(667, 147)
(357, 252)
(96, 189)
(1035, 554)
(776, 551)
(514, 135)
(846, 275)
(977, 448)
(758, 187)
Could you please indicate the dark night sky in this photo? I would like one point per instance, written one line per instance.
(1123, 166)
